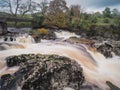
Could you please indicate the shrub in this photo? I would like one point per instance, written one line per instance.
(43, 31)
(32, 32)
(106, 20)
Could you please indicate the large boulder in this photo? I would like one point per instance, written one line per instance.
(43, 72)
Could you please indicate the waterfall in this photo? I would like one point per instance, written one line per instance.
(21, 38)
(96, 68)
(60, 34)
(25, 39)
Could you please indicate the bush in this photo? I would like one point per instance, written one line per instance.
(43, 31)
(33, 32)
(106, 20)
(19, 24)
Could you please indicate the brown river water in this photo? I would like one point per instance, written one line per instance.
(96, 68)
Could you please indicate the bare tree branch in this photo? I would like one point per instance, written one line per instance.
(24, 8)
(17, 6)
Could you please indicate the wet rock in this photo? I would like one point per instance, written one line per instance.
(50, 35)
(44, 72)
(109, 48)
(112, 86)
(76, 40)
(89, 86)
(7, 81)
(106, 50)
(117, 51)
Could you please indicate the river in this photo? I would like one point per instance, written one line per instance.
(96, 68)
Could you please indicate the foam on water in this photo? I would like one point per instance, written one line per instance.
(25, 39)
(21, 38)
(96, 68)
(65, 34)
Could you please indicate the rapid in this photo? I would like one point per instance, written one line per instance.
(96, 68)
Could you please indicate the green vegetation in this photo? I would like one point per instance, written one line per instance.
(56, 14)
(39, 31)
(43, 31)
(19, 24)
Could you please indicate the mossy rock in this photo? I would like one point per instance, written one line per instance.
(45, 72)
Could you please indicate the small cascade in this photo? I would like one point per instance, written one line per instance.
(25, 38)
(60, 34)
(22, 38)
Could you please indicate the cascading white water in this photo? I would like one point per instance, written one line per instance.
(65, 34)
(25, 39)
(96, 68)
(22, 38)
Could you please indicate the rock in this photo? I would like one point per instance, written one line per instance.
(80, 41)
(108, 48)
(105, 49)
(117, 51)
(112, 86)
(44, 72)
(97, 39)
(8, 81)
(116, 47)
(49, 35)
(36, 38)
(89, 86)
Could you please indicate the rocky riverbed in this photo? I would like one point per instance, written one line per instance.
(53, 72)
(108, 48)
(46, 72)
(42, 72)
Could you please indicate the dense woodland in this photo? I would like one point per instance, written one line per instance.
(56, 14)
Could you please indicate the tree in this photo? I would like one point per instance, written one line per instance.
(75, 10)
(59, 20)
(56, 14)
(25, 7)
(38, 19)
(14, 7)
(41, 7)
(57, 6)
(11, 5)
(115, 12)
(98, 15)
(107, 12)
(75, 15)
